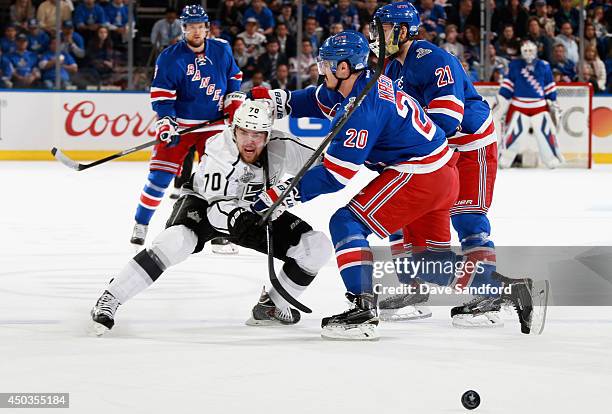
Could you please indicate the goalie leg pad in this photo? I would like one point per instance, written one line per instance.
(544, 133)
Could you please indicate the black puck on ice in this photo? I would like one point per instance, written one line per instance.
(470, 399)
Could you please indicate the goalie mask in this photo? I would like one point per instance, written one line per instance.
(253, 116)
(529, 51)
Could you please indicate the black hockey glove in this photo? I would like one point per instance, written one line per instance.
(243, 226)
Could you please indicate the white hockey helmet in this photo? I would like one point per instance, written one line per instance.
(529, 51)
(254, 115)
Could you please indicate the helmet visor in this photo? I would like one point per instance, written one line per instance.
(324, 65)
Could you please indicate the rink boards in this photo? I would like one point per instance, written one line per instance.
(90, 125)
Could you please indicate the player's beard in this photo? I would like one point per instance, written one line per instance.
(195, 43)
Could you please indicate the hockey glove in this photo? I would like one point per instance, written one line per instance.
(265, 199)
(279, 99)
(231, 103)
(166, 130)
(243, 227)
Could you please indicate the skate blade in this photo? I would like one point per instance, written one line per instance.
(407, 313)
(488, 320)
(540, 293)
(97, 329)
(266, 322)
(350, 333)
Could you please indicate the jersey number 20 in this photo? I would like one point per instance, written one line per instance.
(356, 139)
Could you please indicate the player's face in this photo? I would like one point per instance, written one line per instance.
(250, 144)
(195, 34)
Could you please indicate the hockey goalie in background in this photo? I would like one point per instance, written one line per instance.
(527, 106)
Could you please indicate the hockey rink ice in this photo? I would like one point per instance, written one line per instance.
(182, 346)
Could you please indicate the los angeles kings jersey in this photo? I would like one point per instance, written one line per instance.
(226, 182)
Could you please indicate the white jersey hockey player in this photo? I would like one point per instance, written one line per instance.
(530, 93)
(218, 202)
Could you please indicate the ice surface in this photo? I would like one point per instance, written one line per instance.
(182, 345)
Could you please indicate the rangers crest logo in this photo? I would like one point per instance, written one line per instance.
(422, 52)
(200, 60)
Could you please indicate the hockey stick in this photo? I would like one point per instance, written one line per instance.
(70, 163)
(271, 272)
(380, 65)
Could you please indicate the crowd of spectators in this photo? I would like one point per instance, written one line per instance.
(263, 36)
(91, 45)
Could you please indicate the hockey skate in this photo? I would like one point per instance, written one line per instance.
(265, 313)
(405, 307)
(530, 300)
(356, 324)
(103, 314)
(221, 245)
(139, 234)
(480, 312)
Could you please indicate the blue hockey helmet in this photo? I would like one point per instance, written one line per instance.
(397, 14)
(194, 13)
(349, 46)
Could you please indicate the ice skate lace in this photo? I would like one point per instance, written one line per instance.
(107, 304)
(284, 314)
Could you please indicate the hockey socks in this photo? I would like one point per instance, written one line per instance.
(152, 195)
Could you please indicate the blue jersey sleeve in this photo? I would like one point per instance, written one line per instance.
(443, 80)
(100, 15)
(234, 74)
(163, 87)
(550, 87)
(507, 87)
(319, 102)
(347, 151)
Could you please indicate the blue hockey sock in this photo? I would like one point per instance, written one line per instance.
(478, 250)
(353, 253)
(152, 195)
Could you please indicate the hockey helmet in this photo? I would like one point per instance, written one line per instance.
(254, 115)
(193, 13)
(347, 46)
(529, 51)
(399, 13)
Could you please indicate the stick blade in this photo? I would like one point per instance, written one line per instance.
(59, 155)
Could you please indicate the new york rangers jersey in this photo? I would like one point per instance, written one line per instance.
(388, 130)
(529, 85)
(436, 79)
(226, 182)
(191, 86)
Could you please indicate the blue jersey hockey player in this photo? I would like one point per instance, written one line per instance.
(191, 79)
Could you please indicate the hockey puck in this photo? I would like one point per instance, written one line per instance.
(470, 399)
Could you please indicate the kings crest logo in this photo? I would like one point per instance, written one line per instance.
(195, 216)
(422, 52)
